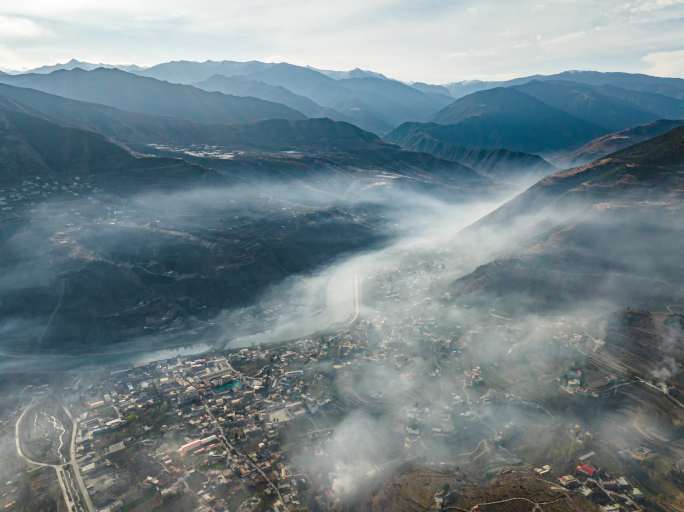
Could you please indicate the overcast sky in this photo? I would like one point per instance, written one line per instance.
(418, 40)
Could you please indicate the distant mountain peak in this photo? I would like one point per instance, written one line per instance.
(74, 63)
(357, 72)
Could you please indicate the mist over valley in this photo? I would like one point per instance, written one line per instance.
(244, 285)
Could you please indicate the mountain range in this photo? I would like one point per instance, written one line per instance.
(78, 64)
(126, 91)
(189, 72)
(611, 101)
(505, 127)
(669, 87)
(368, 99)
(499, 132)
(263, 145)
(543, 116)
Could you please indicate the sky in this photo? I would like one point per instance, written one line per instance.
(435, 41)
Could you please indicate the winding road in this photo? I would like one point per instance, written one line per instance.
(69, 478)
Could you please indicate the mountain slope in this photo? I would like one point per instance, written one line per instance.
(132, 128)
(119, 125)
(588, 103)
(312, 134)
(300, 80)
(243, 86)
(397, 101)
(610, 232)
(508, 118)
(31, 147)
(665, 107)
(613, 142)
(133, 93)
(650, 168)
(321, 150)
(497, 163)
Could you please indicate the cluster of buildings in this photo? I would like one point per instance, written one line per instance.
(199, 151)
(206, 431)
(611, 493)
(37, 189)
(224, 430)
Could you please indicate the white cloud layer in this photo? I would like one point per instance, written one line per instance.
(14, 28)
(666, 63)
(428, 40)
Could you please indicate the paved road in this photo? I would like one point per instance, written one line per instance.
(232, 449)
(356, 300)
(661, 391)
(536, 506)
(76, 468)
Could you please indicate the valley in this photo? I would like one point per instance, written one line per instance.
(261, 286)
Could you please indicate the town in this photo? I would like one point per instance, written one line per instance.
(257, 428)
